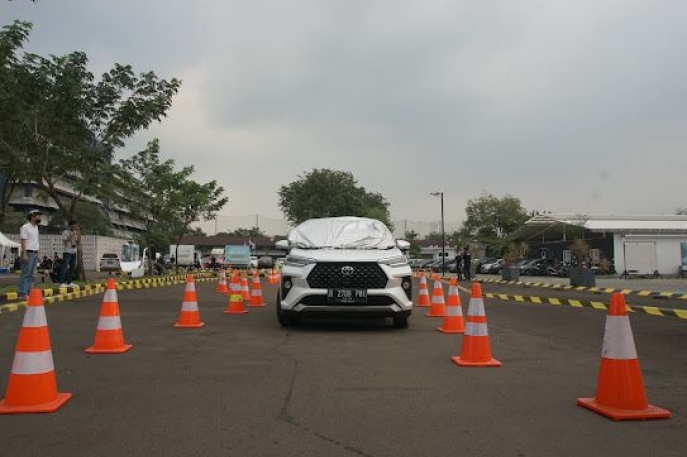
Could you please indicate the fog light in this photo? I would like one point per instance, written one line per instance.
(287, 285)
(405, 285)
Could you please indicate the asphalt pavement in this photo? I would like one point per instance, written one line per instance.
(244, 386)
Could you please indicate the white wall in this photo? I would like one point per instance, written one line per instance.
(93, 247)
(667, 251)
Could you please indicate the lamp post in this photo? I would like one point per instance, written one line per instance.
(443, 235)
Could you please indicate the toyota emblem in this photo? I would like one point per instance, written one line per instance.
(347, 270)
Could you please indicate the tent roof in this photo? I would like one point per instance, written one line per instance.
(4, 241)
(551, 226)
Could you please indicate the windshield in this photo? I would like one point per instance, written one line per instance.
(342, 233)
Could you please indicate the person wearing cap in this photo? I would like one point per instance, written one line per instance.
(29, 252)
(70, 238)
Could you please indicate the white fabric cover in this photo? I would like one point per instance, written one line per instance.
(342, 233)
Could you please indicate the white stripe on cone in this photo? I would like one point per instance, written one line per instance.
(476, 329)
(454, 311)
(32, 362)
(189, 306)
(35, 317)
(110, 296)
(476, 307)
(109, 323)
(256, 293)
(619, 344)
(190, 287)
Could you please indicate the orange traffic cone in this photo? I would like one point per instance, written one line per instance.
(222, 284)
(245, 291)
(438, 308)
(256, 292)
(620, 393)
(109, 336)
(32, 387)
(453, 321)
(423, 293)
(189, 317)
(235, 304)
(476, 350)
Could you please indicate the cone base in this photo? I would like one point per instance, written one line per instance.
(651, 412)
(257, 306)
(443, 330)
(418, 305)
(49, 407)
(465, 363)
(120, 350)
(226, 311)
(198, 325)
(220, 291)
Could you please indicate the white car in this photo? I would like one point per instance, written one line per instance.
(347, 266)
(254, 261)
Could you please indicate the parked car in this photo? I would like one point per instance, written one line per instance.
(265, 262)
(253, 261)
(538, 267)
(110, 262)
(494, 267)
(346, 266)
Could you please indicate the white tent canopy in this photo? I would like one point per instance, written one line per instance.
(5, 243)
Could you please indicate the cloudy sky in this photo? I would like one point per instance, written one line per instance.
(573, 106)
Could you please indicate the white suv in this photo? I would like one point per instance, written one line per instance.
(344, 266)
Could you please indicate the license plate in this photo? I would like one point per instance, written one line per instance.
(347, 296)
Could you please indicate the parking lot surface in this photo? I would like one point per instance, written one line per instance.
(244, 386)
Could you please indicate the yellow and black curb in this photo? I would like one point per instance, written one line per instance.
(61, 294)
(598, 290)
(652, 310)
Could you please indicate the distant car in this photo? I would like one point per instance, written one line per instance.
(538, 267)
(110, 262)
(494, 267)
(265, 262)
(253, 261)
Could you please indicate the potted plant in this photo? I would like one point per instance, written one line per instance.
(514, 253)
(580, 274)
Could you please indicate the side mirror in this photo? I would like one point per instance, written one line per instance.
(403, 245)
(282, 244)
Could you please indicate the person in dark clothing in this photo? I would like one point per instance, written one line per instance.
(467, 263)
(459, 266)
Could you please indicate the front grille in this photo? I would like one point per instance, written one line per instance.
(372, 300)
(328, 275)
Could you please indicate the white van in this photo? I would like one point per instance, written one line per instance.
(344, 266)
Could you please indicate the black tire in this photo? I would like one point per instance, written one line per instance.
(401, 321)
(286, 318)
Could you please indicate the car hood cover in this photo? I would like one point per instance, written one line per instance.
(342, 233)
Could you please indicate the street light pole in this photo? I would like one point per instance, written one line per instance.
(443, 234)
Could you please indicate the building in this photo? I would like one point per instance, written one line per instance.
(28, 196)
(641, 245)
(260, 246)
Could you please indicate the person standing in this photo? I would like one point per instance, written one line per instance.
(70, 239)
(28, 233)
(467, 264)
(459, 266)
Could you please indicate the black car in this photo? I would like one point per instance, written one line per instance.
(537, 267)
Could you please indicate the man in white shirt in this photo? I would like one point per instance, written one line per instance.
(70, 239)
(29, 252)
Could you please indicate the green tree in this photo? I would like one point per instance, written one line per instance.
(61, 118)
(491, 219)
(166, 199)
(91, 219)
(247, 232)
(411, 235)
(329, 193)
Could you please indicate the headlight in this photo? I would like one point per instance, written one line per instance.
(296, 261)
(398, 261)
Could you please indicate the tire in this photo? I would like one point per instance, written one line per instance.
(286, 318)
(401, 321)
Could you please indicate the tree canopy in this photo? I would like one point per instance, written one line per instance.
(56, 117)
(491, 219)
(330, 193)
(168, 200)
